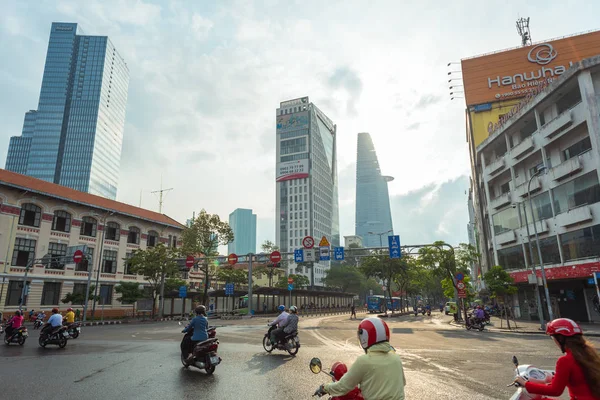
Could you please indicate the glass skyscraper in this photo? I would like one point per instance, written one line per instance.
(243, 225)
(373, 214)
(74, 138)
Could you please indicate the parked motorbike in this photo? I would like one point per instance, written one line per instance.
(58, 336)
(74, 330)
(338, 369)
(289, 343)
(429, 313)
(205, 353)
(37, 324)
(532, 374)
(475, 323)
(19, 336)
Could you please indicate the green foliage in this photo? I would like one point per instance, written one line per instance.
(499, 282)
(174, 283)
(228, 274)
(130, 292)
(79, 298)
(385, 269)
(345, 277)
(268, 247)
(300, 281)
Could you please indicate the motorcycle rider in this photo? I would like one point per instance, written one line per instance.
(13, 324)
(578, 369)
(292, 322)
(379, 371)
(479, 315)
(428, 308)
(55, 321)
(70, 316)
(200, 325)
(281, 322)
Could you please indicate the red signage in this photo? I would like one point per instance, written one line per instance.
(189, 262)
(275, 257)
(462, 293)
(290, 280)
(77, 256)
(232, 259)
(584, 270)
(308, 242)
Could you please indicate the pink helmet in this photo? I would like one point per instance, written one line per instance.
(564, 327)
(372, 331)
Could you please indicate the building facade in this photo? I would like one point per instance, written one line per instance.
(536, 171)
(41, 222)
(373, 214)
(353, 240)
(75, 135)
(307, 182)
(243, 224)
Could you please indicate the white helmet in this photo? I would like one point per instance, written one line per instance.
(372, 331)
(293, 309)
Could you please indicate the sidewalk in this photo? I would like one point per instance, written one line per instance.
(530, 327)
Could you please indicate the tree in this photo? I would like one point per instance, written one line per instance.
(381, 267)
(79, 298)
(500, 283)
(174, 283)
(229, 274)
(268, 247)
(205, 234)
(299, 281)
(155, 264)
(130, 293)
(345, 277)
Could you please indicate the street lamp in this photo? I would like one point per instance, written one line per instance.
(87, 292)
(380, 235)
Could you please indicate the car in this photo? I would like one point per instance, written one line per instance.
(448, 306)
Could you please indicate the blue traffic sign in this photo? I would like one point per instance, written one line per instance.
(324, 253)
(394, 245)
(299, 255)
(229, 289)
(290, 286)
(460, 276)
(338, 253)
(591, 280)
(182, 291)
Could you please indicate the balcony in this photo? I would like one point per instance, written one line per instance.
(500, 201)
(523, 148)
(541, 226)
(506, 237)
(566, 169)
(574, 216)
(554, 127)
(495, 166)
(521, 190)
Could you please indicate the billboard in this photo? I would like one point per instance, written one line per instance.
(482, 117)
(292, 122)
(513, 74)
(289, 170)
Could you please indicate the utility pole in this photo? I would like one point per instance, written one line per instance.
(160, 195)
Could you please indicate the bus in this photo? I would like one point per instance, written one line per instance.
(375, 303)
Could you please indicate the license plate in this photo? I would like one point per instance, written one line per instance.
(66, 334)
(214, 360)
(25, 334)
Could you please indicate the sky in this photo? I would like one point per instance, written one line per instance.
(206, 78)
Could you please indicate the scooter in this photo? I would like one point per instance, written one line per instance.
(205, 353)
(19, 336)
(338, 369)
(532, 374)
(74, 330)
(289, 343)
(38, 323)
(429, 313)
(474, 323)
(58, 336)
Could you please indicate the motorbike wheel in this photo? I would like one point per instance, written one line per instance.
(183, 361)
(62, 342)
(210, 370)
(293, 349)
(267, 344)
(469, 326)
(42, 341)
(75, 335)
(481, 327)
(6, 341)
(21, 341)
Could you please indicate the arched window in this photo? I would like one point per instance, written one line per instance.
(89, 226)
(61, 221)
(112, 231)
(134, 235)
(31, 215)
(152, 239)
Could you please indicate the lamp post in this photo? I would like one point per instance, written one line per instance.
(87, 292)
(380, 235)
(537, 242)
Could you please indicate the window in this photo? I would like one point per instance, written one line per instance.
(578, 192)
(133, 237)
(506, 220)
(88, 226)
(113, 231)
(511, 258)
(84, 265)
(109, 263)
(106, 292)
(56, 253)
(505, 188)
(61, 221)
(582, 243)
(23, 252)
(542, 209)
(30, 215)
(568, 100)
(128, 264)
(549, 248)
(50, 294)
(152, 239)
(174, 242)
(79, 288)
(13, 295)
(577, 149)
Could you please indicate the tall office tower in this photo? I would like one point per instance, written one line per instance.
(74, 138)
(307, 183)
(243, 225)
(373, 215)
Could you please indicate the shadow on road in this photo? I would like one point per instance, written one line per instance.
(402, 330)
(265, 362)
(484, 336)
(193, 375)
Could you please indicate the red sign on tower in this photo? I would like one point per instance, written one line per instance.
(290, 280)
(77, 256)
(232, 259)
(189, 262)
(275, 257)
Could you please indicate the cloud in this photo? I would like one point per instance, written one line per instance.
(201, 26)
(414, 126)
(427, 100)
(348, 80)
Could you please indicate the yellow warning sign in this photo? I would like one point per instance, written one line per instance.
(324, 242)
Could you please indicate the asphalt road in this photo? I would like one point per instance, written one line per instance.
(141, 361)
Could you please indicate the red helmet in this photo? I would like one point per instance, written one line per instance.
(55, 310)
(564, 327)
(338, 369)
(69, 309)
(372, 331)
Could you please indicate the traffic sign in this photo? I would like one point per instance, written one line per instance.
(460, 285)
(229, 289)
(290, 287)
(308, 242)
(189, 262)
(299, 255)
(77, 256)
(275, 257)
(290, 280)
(338, 253)
(460, 276)
(462, 294)
(232, 259)
(309, 255)
(324, 254)
(324, 242)
(383, 288)
(182, 291)
(394, 246)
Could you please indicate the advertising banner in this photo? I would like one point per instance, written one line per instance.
(292, 122)
(289, 170)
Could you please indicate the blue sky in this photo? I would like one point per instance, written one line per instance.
(206, 78)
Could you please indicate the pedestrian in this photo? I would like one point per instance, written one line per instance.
(353, 311)
(264, 307)
(77, 314)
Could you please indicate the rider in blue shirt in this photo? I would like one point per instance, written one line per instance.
(199, 324)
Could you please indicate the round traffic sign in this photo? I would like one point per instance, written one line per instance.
(232, 259)
(383, 287)
(290, 280)
(275, 257)
(78, 256)
(189, 262)
(460, 276)
(308, 242)
(460, 285)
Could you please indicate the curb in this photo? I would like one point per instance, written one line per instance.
(102, 323)
(520, 331)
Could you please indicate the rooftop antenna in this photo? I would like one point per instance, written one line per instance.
(524, 32)
(160, 195)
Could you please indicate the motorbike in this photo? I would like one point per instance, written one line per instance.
(19, 336)
(475, 323)
(289, 343)
(429, 313)
(74, 330)
(58, 336)
(205, 353)
(416, 312)
(316, 367)
(423, 311)
(37, 324)
(532, 374)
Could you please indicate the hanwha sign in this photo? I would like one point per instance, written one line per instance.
(542, 54)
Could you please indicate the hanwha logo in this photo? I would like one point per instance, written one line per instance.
(542, 54)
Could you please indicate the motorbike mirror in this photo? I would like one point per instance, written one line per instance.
(315, 365)
(515, 361)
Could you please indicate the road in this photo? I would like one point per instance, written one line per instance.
(132, 361)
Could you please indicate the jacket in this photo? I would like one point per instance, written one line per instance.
(200, 326)
(291, 324)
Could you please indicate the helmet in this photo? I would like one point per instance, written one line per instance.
(338, 369)
(281, 308)
(564, 327)
(200, 310)
(293, 309)
(55, 310)
(17, 313)
(372, 331)
(69, 309)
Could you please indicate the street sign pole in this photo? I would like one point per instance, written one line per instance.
(596, 284)
(250, 256)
